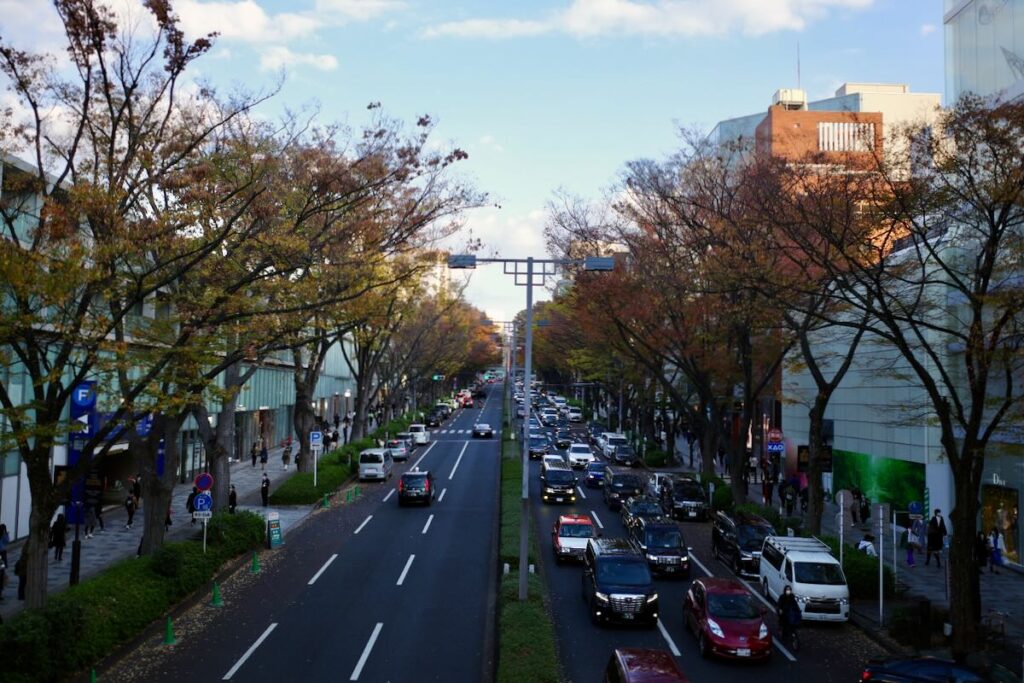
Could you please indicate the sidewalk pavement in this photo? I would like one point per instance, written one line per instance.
(1003, 592)
(115, 543)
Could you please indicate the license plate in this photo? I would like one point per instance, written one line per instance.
(559, 500)
(670, 568)
(743, 652)
(691, 513)
(627, 616)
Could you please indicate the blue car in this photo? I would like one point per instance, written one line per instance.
(594, 475)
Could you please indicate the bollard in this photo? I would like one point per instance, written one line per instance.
(92, 675)
(255, 567)
(357, 491)
(348, 496)
(216, 600)
(169, 634)
(327, 501)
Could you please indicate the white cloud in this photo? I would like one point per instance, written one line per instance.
(927, 29)
(243, 20)
(489, 142)
(583, 18)
(360, 10)
(277, 56)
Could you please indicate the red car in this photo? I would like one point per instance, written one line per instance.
(570, 535)
(633, 665)
(726, 621)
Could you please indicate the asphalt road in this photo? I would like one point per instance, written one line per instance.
(365, 592)
(828, 653)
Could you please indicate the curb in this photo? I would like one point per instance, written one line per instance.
(490, 658)
(869, 629)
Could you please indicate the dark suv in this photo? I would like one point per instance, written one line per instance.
(416, 486)
(685, 499)
(557, 484)
(626, 456)
(737, 540)
(620, 484)
(617, 584)
(663, 546)
(434, 419)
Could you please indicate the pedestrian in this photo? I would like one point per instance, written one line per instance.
(865, 509)
(129, 506)
(58, 537)
(337, 421)
(767, 487)
(232, 499)
(190, 504)
(254, 453)
(90, 519)
(789, 615)
(167, 518)
(334, 439)
(286, 455)
(5, 540)
(264, 457)
(982, 550)
(915, 539)
(99, 515)
(752, 467)
(790, 498)
(21, 571)
(998, 545)
(935, 538)
(137, 490)
(265, 490)
(866, 545)
(855, 505)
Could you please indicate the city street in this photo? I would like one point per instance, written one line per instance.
(370, 591)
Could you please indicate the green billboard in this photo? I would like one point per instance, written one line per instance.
(883, 480)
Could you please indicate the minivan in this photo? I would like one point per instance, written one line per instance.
(375, 463)
(808, 567)
(619, 485)
(420, 435)
(617, 583)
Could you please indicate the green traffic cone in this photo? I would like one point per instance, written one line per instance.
(357, 492)
(327, 501)
(216, 600)
(255, 568)
(92, 676)
(169, 638)
(348, 496)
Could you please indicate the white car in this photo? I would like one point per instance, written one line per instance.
(610, 441)
(553, 458)
(580, 455)
(575, 415)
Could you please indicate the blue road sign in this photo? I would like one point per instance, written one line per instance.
(776, 447)
(203, 502)
(316, 439)
(83, 412)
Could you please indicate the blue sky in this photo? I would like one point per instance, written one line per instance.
(547, 95)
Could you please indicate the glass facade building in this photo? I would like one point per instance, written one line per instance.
(984, 48)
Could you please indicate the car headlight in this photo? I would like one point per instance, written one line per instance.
(762, 633)
(715, 628)
(746, 555)
(653, 597)
(802, 599)
(548, 489)
(601, 597)
(652, 558)
(844, 601)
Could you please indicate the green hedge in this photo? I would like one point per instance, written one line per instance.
(862, 572)
(656, 458)
(526, 643)
(84, 623)
(511, 505)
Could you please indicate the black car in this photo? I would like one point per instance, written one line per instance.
(482, 430)
(737, 540)
(931, 670)
(594, 430)
(620, 485)
(416, 486)
(557, 484)
(625, 456)
(563, 438)
(539, 447)
(640, 507)
(662, 545)
(617, 584)
(434, 419)
(594, 476)
(684, 499)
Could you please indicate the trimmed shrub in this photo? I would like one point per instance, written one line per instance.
(862, 572)
(299, 490)
(722, 499)
(656, 458)
(526, 634)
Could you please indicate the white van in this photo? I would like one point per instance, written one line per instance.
(807, 565)
(420, 435)
(375, 463)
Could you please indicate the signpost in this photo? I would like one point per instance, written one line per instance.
(316, 444)
(275, 539)
(202, 504)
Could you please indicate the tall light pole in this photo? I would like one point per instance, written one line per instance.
(523, 270)
(509, 327)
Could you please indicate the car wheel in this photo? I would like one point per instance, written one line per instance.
(764, 590)
(736, 567)
(702, 645)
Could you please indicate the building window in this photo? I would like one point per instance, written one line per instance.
(846, 137)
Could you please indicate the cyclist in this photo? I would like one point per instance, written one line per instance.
(789, 616)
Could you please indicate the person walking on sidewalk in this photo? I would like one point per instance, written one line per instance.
(265, 490)
(5, 540)
(982, 551)
(766, 489)
(789, 617)
(137, 490)
(190, 503)
(90, 519)
(915, 539)
(286, 455)
(936, 537)
(998, 545)
(232, 500)
(129, 507)
(58, 537)
(21, 571)
(264, 457)
(254, 453)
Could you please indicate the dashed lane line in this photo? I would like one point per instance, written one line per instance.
(401, 579)
(248, 653)
(366, 652)
(327, 564)
(365, 522)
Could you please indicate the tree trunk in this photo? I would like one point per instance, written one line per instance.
(815, 491)
(37, 547)
(964, 582)
(737, 451)
(218, 443)
(158, 479)
(304, 420)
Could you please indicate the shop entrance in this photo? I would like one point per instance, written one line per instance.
(999, 509)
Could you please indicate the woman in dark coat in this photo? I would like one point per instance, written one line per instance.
(58, 533)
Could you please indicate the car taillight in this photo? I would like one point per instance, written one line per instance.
(426, 484)
(401, 485)
(865, 676)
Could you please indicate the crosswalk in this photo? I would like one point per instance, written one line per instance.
(497, 432)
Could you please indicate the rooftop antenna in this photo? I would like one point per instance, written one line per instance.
(798, 65)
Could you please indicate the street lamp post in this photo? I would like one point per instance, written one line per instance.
(523, 270)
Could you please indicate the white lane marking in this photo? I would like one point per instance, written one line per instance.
(596, 519)
(668, 639)
(693, 558)
(463, 431)
(365, 522)
(416, 464)
(775, 641)
(401, 579)
(441, 497)
(390, 493)
(366, 652)
(582, 495)
(322, 569)
(427, 525)
(458, 460)
(248, 653)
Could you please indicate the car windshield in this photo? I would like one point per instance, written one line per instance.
(646, 507)
(395, 443)
(819, 572)
(617, 440)
(556, 476)
(626, 573)
(626, 482)
(689, 490)
(372, 458)
(414, 479)
(483, 426)
(576, 531)
(752, 537)
(664, 538)
(732, 606)
(576, 448)
(596, 467)
(536, 441)
(625, 450)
